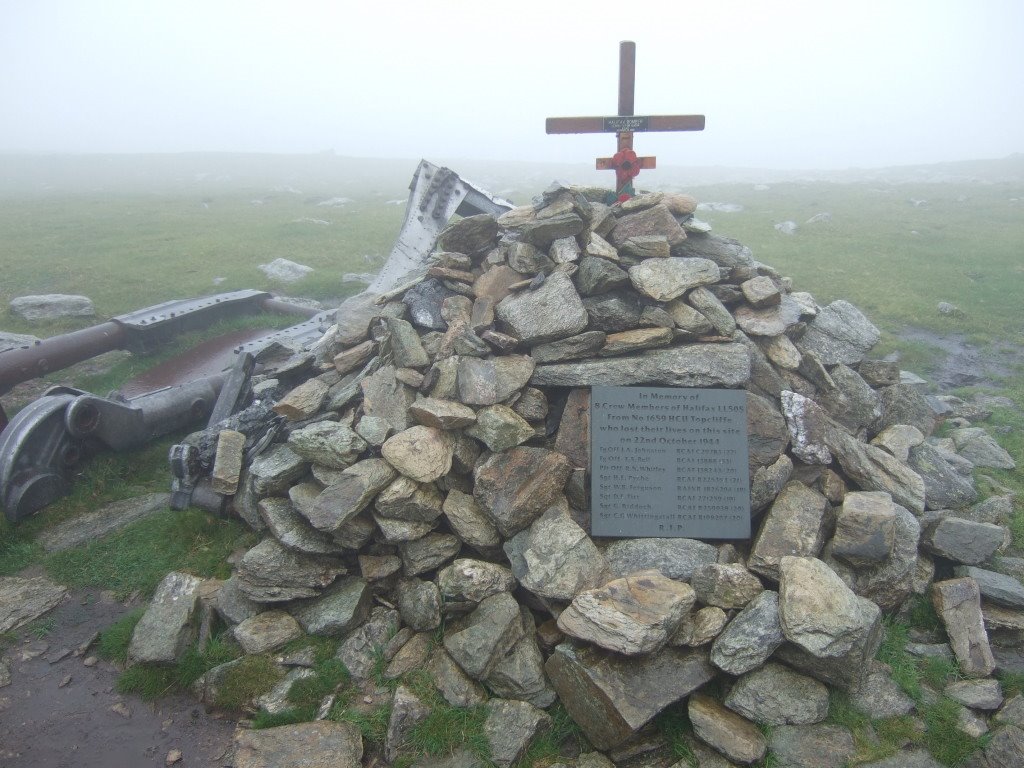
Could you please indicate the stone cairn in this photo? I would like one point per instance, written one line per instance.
(433, 471)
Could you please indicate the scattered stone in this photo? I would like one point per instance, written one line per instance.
(880, 697)
(167, 628)
(51, 306)
(977, 694)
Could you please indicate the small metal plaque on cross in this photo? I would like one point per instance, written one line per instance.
(625, 162)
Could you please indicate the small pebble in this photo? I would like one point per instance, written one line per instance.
(90, 661)
(64, 682)
(122, 710)
(174, 756)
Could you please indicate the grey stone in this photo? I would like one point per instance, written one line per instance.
(360, 650)
(442, 414)
(303, 401)
(412, 655)
(270, 573)
(385, 397)
(812, 746)
(564, 250)
(407, 711)
(963, 541)
(890, 582)
(611, 698)
(1012, 712)
(776, 695)
(751, 637)
(636, 340)
(293, 530)
(421, 453)
(700, 627)
(486, 382)
(734, 736)
(276, 469)
(555, 558)
(352, 492)
(995, 587)
(520, 675)
(470, 581)
(703, 365)
(880, 697)
(514, 487)
(768, 483)
(469, 522)
(944, 487)
(231, 605)
(977, 694)
(821, 614)
(500, 428)
(9, 341)
(51, 306)
(479, 641)
(1006, 748)
(656, 220)
(725, 586)
(664, 279)
(344, 606)
(865, 528)
(688, 319)
(646, 247)
(510, 727)
(705, 302)
(168, 626)
(904, 404)
(793, 526)
(304, 745)
(553, 311)
(873, 469)
(761, 291)
(898, 440)
(675, 558)
(981, 449)
(275, 701)
(573, 348)
(405, 499)
(770, 320)
(839, 334)
(613, 311)
(457, 688)
(472, 235)
(724, 251)
(597, 276)
(767, 433)
(267, 631)
(914, 758)
(850, 401)
(958, 604)
(633, 615)
(427, 553)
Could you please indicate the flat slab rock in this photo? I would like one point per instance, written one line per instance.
(22, 600)
(323, 744)
(95, 525)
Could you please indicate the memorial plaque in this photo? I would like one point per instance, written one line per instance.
(669, 461)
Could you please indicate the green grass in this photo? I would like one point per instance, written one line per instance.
(115, 639)
(251, 677)
(564, 736)
(139, 556)
(152, 681)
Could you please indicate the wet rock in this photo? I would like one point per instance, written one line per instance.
(427, 553)
(360, 649)
(719, 365)
(633, 615)
(310, 745)
(276, 469)
(486, 382)
(479, 641)
(231, 605)
(978, 447)
(573, 348)
(555, 558)
(995, 587)
(944, 487)
(839, 334)
(793, 526)
(168, 626)
(812, 746)
(25, 599)
(611, 698)
(270, 573)
(349, 494)
(510, 728)
(516, 486)
(674, 558)
(963, 541)
(664, 279)
(553, 311)
(386, 397)
(725, 586)
(471, 581)
(407, 711)
(735, 737)
(267, 631)
(442, 414)
(344, 606)
(865, 528)
(776, 695)
(293, 530)
(958, 603)
(751, 637)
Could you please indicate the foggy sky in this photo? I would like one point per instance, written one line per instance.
(784, 84)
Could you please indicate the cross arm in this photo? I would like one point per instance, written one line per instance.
(618, 124)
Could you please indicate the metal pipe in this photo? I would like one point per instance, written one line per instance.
(57, 352)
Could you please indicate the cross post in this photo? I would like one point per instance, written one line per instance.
(625, 162)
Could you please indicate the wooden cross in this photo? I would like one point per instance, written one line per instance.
(625, 163)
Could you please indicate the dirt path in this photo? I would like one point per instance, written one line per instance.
(59, 712)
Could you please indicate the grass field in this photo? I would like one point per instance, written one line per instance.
(133, 232)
